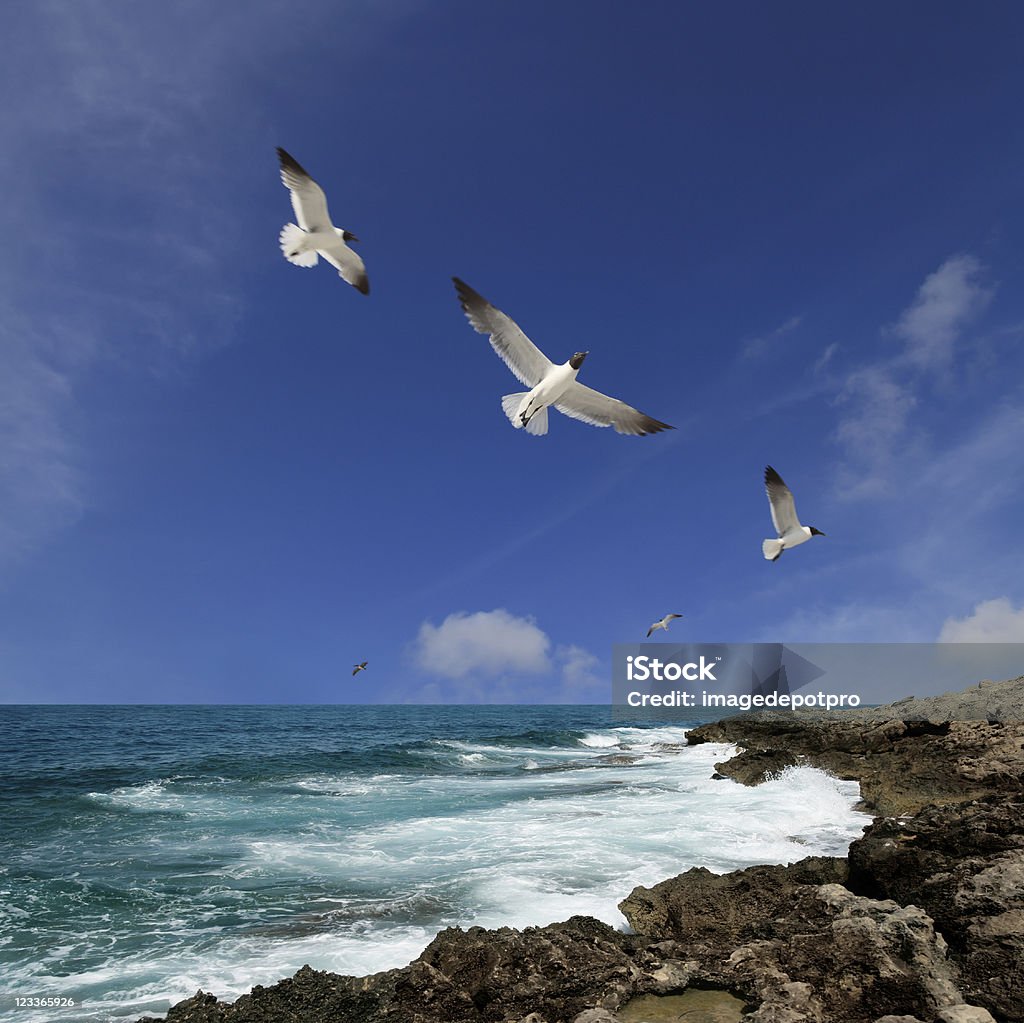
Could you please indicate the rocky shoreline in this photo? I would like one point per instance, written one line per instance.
(922, 921)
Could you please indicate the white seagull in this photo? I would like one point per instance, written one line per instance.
(662, 623)
(315, 235)
(359, 667)
(787, 525)
(549, 384)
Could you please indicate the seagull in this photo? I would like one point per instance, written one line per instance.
(662, 623)
(315, 235)
(549, 384)
(359, 667)
(787, 525)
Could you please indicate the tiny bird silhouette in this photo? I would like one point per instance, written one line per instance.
(356, 668)
(662, 623)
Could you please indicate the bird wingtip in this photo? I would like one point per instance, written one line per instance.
(288, 162)
(463, 290)
(649, 425)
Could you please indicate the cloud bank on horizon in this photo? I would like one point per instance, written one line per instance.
(203, 496)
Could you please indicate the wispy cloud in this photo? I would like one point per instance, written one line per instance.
(755, 347)
(40, 482)
(826, 357)
(122, 188)
(877, 407)
(876, 428)
(948, 301)
(120, 252)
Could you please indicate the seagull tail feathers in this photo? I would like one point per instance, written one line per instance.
(510, 406)
(538, 424)
(772, 550)
(513, 403)
(293, 246)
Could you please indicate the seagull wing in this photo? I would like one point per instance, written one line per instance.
(598, 409)
(348, 263)
(651, 629)
(780, 497)
(308, 199)
(518, 352)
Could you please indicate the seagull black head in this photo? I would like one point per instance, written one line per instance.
(577, 360)
(815, 532)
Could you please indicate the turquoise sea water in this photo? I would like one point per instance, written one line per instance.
(146, 852)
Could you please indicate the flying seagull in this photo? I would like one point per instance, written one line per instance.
(549, 384)
(359, 667)
(315, 235)
(787, 525)
(662, 623)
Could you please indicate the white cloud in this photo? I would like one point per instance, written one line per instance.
(500, 657)
(579, 670)
(991, 621)
(947, 301)
(486, 643)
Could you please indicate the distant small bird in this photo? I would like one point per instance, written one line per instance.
(787, 525)
(549, 384)
(315, 234)
(662, 623)
(359, 667)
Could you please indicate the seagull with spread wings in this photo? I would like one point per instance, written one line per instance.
(787, 525)
(549, 384)
(662, 623)
(315, 235)
(356, 668)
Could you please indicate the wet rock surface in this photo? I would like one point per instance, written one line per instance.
(725, 910)
(902, 766)
(923, 921)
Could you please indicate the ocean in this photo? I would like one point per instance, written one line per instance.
(148, 851)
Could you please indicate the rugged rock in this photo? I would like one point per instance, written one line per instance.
(964, 866)
(724, 910)
(551, 974)
(800, 946)
(753, 766)
(986, 701)
(902, 766)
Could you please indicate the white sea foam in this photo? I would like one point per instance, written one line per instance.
(402, 855)
(599, 740)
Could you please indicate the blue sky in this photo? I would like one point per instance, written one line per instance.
(793, 231)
